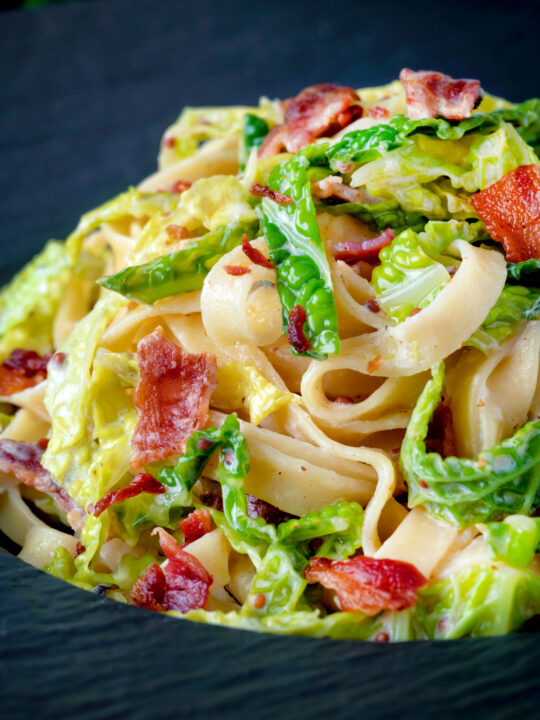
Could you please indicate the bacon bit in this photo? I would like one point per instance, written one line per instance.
(176, 232)
(375, 364)
(351, 251)
(149, 590)
(259, 601)
(368, 584)
(212, 495)
(180, 186)
(373, 306)
(236, 269)
(510, 210)
(187, 581)
(58, 358)
(259, 508)
(451, 270)
(422, 483)
(23, 460)
(264, 191)
(141, 483)
(195, 525)
(317, 111)
(343, 400)
(21, 370)
(302, 468)
(295, 331)
(79, 549)
(333, 186)
(203, 444)
(171, 397)
(480, 403)
(441, 437)
(432, 94)
(382, 637)
(169, 141)
(415, 311)
(379, 113)
(315, 544)
(256, 256)
(364, 269)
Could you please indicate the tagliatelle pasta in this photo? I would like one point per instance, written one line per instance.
(292, 380)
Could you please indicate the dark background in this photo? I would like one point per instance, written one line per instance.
(86, 90)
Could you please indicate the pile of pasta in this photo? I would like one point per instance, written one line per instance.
(290, 383)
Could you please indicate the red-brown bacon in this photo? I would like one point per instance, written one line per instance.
(172, 398)
(141, 483)
(181, 584)
(351, 251)
(368, 584)
(196, 524)
(22, 369)
(23, 460)
(432, 94)
(510, 210)
(264, 191)
(317, 111)
(256, 256)
(260, 508)
(295, 331)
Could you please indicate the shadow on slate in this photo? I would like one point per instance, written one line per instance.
(87, 91)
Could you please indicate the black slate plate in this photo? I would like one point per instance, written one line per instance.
(86, 91)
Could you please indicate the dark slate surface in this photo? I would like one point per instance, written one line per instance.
(85, 92)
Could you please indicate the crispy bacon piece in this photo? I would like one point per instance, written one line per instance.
(180, 186)
(22, 369)
(176, 232)
(141, 483)
(317, 111)
(441, 437)
(171, 397)
(196, 524)
(333, 186)
(149, 590)
(264, 191)
(368, 584)
(256, 256)
(259, 508)
(236, 269)
(379, 113)
(295, 331)
(431, 94)
(351, 251)
(23, 460)
(510, 210)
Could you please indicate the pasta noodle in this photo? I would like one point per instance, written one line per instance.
(291, 382)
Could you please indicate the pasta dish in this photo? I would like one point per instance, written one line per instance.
(290, 382)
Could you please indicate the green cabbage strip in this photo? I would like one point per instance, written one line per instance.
(516, 305)
(413, 268)
(501, 481)
(131, 203)
(526, 272)
(180, 271)
(362, 146)
(297, 251)
(28, 303)
(379, 216)
(513, 541)
(254, 130)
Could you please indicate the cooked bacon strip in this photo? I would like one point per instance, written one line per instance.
(171, 397)
(141, 483)
(22, 369)
(23, 460)
(149, 590)
(236, 269)
(510, 210)
(432, 94)
(351, 251)
(368, 584)
(295, 331)
(317, 111)
(332, 186)
(181, 583)
(264, 191)
(256, 256)
(259, 508)
(180, 186)
(196, 524)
